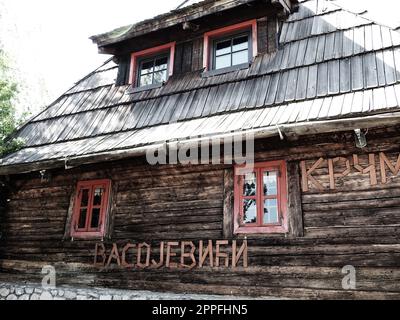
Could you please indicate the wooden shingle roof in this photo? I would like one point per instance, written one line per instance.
(332, 67)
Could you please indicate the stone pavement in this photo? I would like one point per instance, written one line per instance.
(10, 291)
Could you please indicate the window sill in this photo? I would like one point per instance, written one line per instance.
(218, 72)
(273, 229)
(145, 88)
(87, 236)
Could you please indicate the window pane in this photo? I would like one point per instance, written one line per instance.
(85, 198)
(270, 183)
(161, 64)
(271, 211)
(223, 62)
(98, 194)
(146, 80)
(223, 47)
(240, 44)
(240, 57)
(82, 219)
(147, 67)
(160, 77)
(249, 211)
(95, 218)
(249, 185)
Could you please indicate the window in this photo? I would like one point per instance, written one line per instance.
(231, 51)
(153, 71)
(231, 46)
(90, 209)
(151, 67)
(261, 198)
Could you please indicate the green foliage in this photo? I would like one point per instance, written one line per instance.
(8, 119)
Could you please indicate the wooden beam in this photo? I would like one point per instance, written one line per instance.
(295, 213)
(228, 203)
(285, 4)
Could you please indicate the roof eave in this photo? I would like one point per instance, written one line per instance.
(289, 130)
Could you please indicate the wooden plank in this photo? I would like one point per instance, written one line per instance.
(370, 70)
(294, 200)
(345, 75)
(228, 204)
(357, 73)
(302, 82)
(333, 77)
(322, 85)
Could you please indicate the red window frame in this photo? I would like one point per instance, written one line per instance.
(87, 231)
(259, 227)
(136, 56)
(218, 33)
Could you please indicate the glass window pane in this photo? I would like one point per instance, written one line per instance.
(146, 80)
(240, 57)
(223, 62)
(249, 211)
(98, 194)
(161, 64)
(270, 183)
(271, 211)
(223, 47)
(85, 198)
(160, 77)
(250, 184)
(95, 218)
(82, 219)
(241, 43)
(147, 67)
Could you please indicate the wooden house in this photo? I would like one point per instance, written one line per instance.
(316, 86)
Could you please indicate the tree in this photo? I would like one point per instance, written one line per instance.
(8, 118)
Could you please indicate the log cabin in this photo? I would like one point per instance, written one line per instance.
(314, 85)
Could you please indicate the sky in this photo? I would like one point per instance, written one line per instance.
(48, 44)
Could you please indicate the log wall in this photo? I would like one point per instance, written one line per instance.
(355, 224)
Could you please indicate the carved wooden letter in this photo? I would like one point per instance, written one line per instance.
(333, 175)
(139, 255)
(125, 264)
(188, 255)
(161, 262)
(236, 255)
(170, 254)
(370, 169)
(100, 251)
(208, 252)
(114, 255)
(219, 254)
(385, 161)
(307, 175)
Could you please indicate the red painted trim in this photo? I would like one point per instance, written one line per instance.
(208, 36)
(258, 168)
(87, 232)
(148, 52)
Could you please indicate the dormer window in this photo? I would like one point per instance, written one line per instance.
(231, 51)
(230, 48)
(152, 67)
(153, 71)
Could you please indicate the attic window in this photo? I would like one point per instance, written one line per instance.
(230, 48)
(152, 67)
(153, 71)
